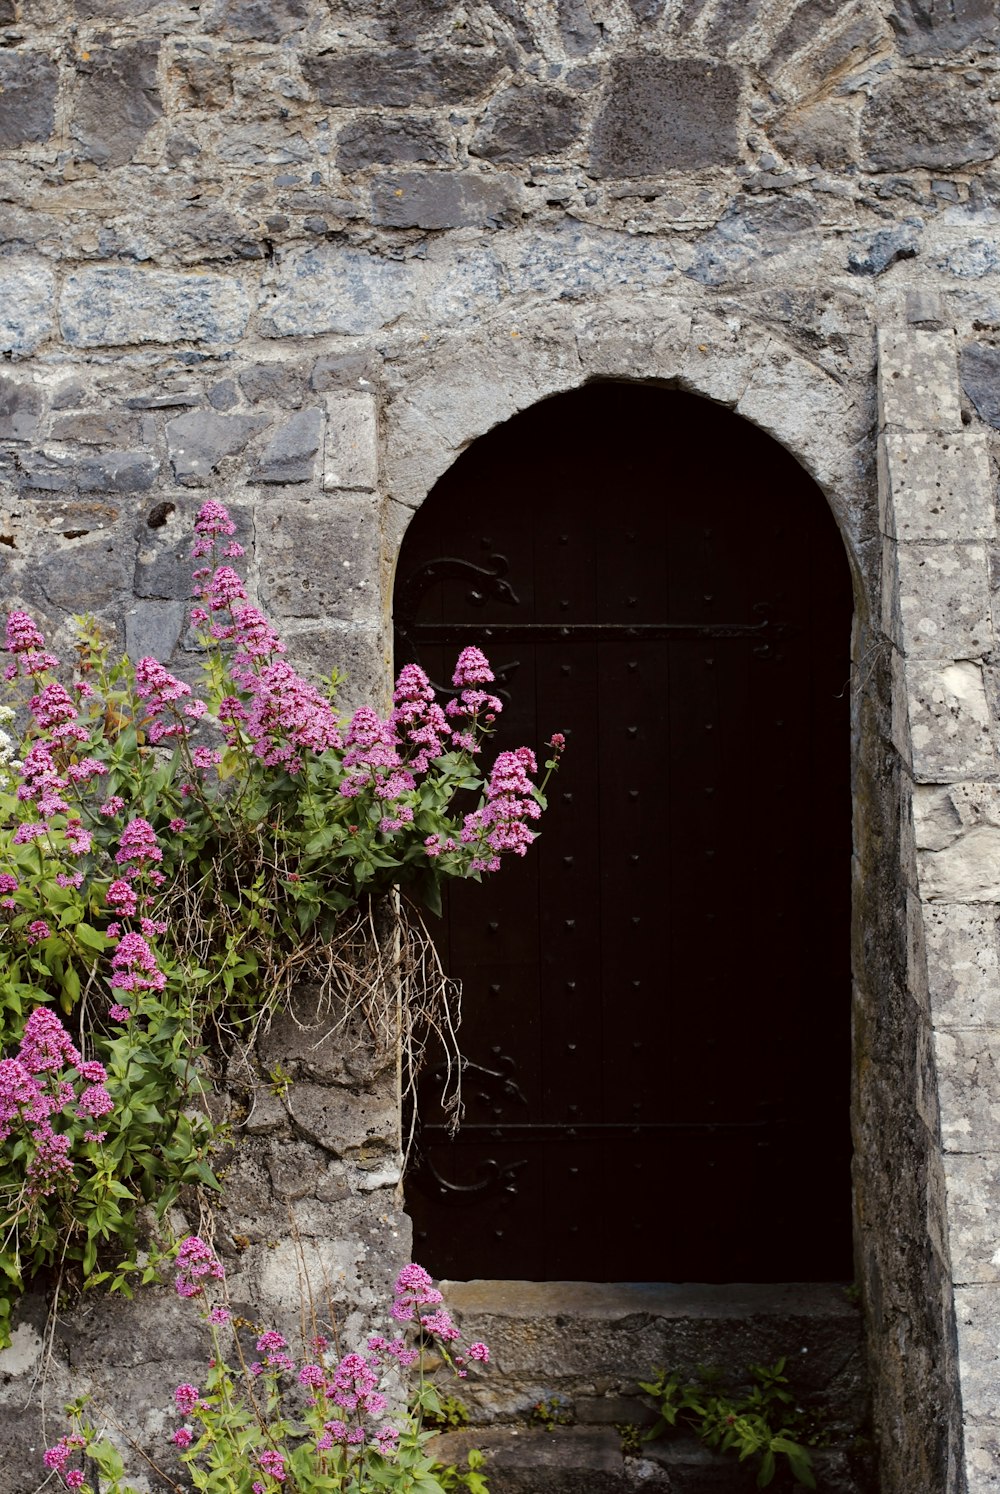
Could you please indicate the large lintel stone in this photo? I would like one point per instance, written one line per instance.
(113, 306)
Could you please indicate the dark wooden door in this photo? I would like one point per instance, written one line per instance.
(656, 1000)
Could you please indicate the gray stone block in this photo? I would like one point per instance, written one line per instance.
(577, 28)
(197, 443)
(823, 133)
(27, 296)
(153, 629)
(936, 488)
(344, 1123)
(115, 306)
(922, 119)
(981, 1445)
(98, 428)
(336, 289)
(918, 381)
(29, 82)
(290, 455)
(279, 383)
(977, 1320)
(350, 460)
(346, 371)
(20, 408)
(320, 559)
(950, 736)
(398, 77)
(117, 472)
(937, 28)
(940, 605)
(973, 1186)
(874, 253)
(360, 651)
(979, 370)
(87, 573)
(528, 123)
(446, 199)
(971, 260)
(259, 20)
(117, 102)
(666, 114)
(968, 1074)
(963, 968)
(385, 141)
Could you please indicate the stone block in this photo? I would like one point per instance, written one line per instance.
(926, 119)
(197, 443)
(981, 1446)
(576, 260)
(446, 199)
(350, 460)
(257, 20)
(940, 604)
(527, 124)
(384, 141)
(20, 408)
(278, 383)
(968, 1079)
(27, 295)
(117, 472)
(806, 410)
(918, 382)
(936, 488)
(937, 28)
(973, 1188)
(321, 559)
(958, 839)
(963, 968)
(466, 282)
(613, 340)
(153, 629)
(949, 722)
(823, 133)
(872, 254)
(164, 564)
(29, 82)
(290, 455)
(114, 306)
(344, 1123)
(86, 573)
(977, 1321)
(666, 114)
(399, 77)
(333, 288)
(98, 428)
(979, 370)
(117, 101)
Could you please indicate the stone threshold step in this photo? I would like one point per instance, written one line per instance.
(589, 1460)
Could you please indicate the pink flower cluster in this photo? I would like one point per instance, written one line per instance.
(499, 826)
(160, 691)
(196, 1263)
(36, 1088)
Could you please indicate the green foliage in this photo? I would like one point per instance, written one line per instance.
(555, 1411)
(762, 1423)
(442, 1413)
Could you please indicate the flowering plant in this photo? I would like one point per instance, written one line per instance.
(271, 1425)
(173, 863)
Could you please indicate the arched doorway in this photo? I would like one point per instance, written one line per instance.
(657, 999)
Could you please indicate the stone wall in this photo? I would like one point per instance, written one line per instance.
(297, 254)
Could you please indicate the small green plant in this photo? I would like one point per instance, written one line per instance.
(443, 1413)
(764, 1422)
(630, 1438)
(555, 1411)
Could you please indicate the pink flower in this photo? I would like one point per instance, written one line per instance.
(195, 1261)
(472, 668)
(37, 930)
(272, 1463)
(182, 1437)
(134, 967)
(186, 1398)
(119, 1013)
(480, 1352)
(74, 1478)
(270, 1342)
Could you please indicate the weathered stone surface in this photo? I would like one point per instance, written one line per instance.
(963, 968)
(446, 199)
(117, 472)
(198, 442)
(401, 77)
(524, 124)
(346, 371)
(973, 1181)
(341, 1122)
(666, 114)
(98, 428)
(96, 567)
(936, 488)
(351, 456)
(26, 299)
(918, 384)
(278, 383)
(29, 82)
(468, 282)
(968, 1073)
(336, 289)
(872, 254)
(941, 608)
(388, 141)
(263, 20)
(971, 260)
(320, 559)
(577, 28)
(949, 722)
(290, 455)
(922, 119)
(205, 79)
(362, 651)
(153, 629)
(958, 842)
(825, 133)
(114, 306)
(934, 28)
(577, 260)
(117, 103)
(979, 370)
(20, 407)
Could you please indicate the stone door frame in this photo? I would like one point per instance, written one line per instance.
(923, 628)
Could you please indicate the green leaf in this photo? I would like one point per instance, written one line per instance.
(91, 938)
